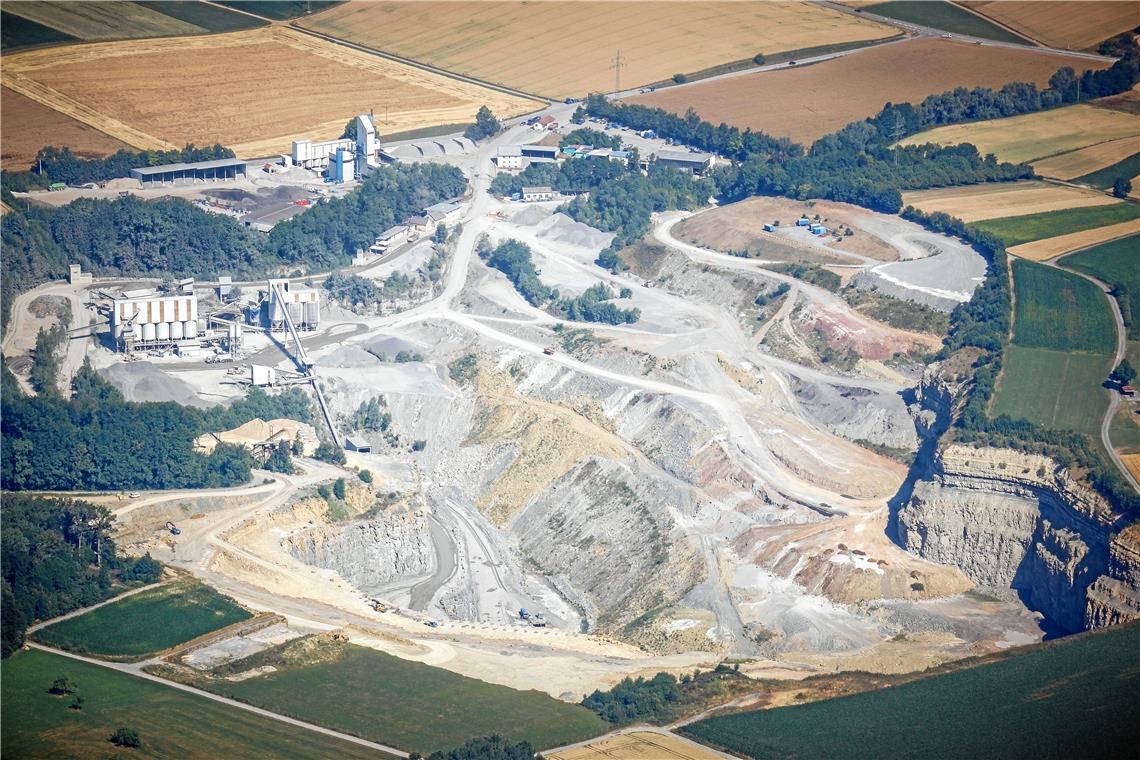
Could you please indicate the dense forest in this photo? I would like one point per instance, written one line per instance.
(174, 238)
(57, 556)
(98, 441)
(574, 175)
(61, 165)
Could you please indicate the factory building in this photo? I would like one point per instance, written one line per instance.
(302, 304)
(509, 157)
(696, 163)
(343, 159)
(142, 319)
(310, 155)
(185, 174)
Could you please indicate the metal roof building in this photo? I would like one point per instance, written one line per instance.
(200, 171)
(693, 162)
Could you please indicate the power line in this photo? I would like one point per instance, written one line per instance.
(617, 66)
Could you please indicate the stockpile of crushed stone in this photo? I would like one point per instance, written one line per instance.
(562, 229)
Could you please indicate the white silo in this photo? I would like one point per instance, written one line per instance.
(162, 331)
(176, 331)
(190, 329)
(148, 333)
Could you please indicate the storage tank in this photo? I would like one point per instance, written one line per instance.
(190, 329)
(148, 333)
(312, 313)
(295, 313)
(176, 331)
(162, 331)
(138, 331)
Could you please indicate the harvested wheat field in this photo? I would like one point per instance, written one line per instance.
(28, 126)
(1069, 25)
(972, 203)
(1077, 163)
(1050, 248)
(1037, 135)
(559, 49)
(254, 91)
(1132, 462)
(636, 745)
(808, 102)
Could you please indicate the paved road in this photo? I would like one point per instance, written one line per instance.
(135, 669)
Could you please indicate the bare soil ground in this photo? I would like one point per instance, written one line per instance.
(1041, 250)
(738, 227)
(567, 48)
(28, 126)
(637, 745)
(253, 91)
(1072, 25)
(1038, 135)
(975, 202)
(809, 102)
(102, 21)
(1087, 160)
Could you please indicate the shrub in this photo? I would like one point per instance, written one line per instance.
(125, 737)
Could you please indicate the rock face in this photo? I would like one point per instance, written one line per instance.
(369, 552)
(1015, 520)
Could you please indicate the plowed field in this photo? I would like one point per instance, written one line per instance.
(805, 103)
(253, 91)
(28, 126)
(1070, 25)
(567, 48)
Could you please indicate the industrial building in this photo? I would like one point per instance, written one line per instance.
(143, 319)
(303, 305)
(344, 159)
(696, 163)
(310, 155)
(388, 238)
(445, 212)
(530, 194)
(543, 152)
(182, 174)
(509, 157)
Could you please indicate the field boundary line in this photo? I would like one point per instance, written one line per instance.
(1057, 401)
(424, 66)
(995, 22)
(57, 101)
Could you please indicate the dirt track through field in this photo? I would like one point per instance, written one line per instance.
(253, 91)
(809, 102)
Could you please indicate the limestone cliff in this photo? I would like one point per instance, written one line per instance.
(1010, 519)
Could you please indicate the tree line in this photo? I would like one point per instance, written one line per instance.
(58, 555)
(61, 165)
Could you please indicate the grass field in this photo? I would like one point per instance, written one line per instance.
(818, 99)
(1016, 230)
(1103, 178)
(17, 32)
(28, 126)
(636, 745)
(1118, 261)
(561, 49)
(171, 723)
(1086, 161)
(1124, 430)
(1060, 310)
(1037, 135)
(1049, 248)
(945, 16)
(147, 622)
(972, 203)
(1054, 389)
(254, 91)
(1070, 698)
(1070, 25)
(400, 703)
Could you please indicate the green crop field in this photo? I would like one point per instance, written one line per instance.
(1103, 178)
(1067, 699)
(170, 723)
(1060, 310)
(208, 17)
(149, 621)
(1054, 389)
(945, 16)
(279, 10)
(1114, 262)
(1015, 230)
(397, 702)
(17, 32)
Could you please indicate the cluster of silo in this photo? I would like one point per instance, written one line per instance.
(300, 303)
(143, 318)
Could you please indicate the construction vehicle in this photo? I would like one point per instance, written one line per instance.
(174, 529)
(549, 351)
(378, 605)
(538, 620)
(524, 613)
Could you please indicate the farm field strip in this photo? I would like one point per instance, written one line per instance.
(1132, 462)
(1037, 135)
(636, 745)
(28, 126)
(1048, 248)
(942, 15)
(1061, 311)
(101, 85)
(1104, 178)
(1072, 25)
(1078, 163)
(1015, 230)
(973, 203)
(1111, 263)
(559, 49)
(1054, 389)
(102, 21)
(818, 99)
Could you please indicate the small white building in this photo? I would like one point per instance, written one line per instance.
(446, 212)
(76, 275)
(389, 238)
(509, 157)
(533, 194)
